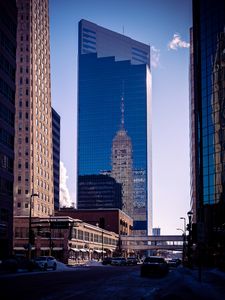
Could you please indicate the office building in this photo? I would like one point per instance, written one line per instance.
(208, 126)
(33, 166)
(112, 219)
(114, 112)
(56, 155)
(99, 191)
(8, 22)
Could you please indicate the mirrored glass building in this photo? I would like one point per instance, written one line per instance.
(208, 123)
(114, 115)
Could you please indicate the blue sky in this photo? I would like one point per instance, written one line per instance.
(154, 22)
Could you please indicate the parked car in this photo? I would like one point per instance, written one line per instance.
(107, 261)
(46, 262)
(174, 262)
(131, 261)
(15, 262)
(118, 261)
(154, 266)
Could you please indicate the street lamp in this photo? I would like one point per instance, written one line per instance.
(190, 214)
(184, 241)
(30, 233)
(183, 218)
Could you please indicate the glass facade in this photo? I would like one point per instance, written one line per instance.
(207, 70)
(113, 90)
(56, 155)
(209, 56)
(8, 25)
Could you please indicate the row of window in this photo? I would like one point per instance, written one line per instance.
(40, 207)
(6, 162)
(91, 237)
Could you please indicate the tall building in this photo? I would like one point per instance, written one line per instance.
(56, 155)
(8, 21)
(33, 167)
(112, 66)
(208, 123)
(98, 191)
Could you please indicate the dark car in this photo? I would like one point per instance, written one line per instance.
(118, 261)
(131, 261)
(107, 261)
(16, 262)
(154, 266)
(174, 262)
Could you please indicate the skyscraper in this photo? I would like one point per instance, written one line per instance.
(208, 123)
(112, 66)
(33, 167)
(8, 21)
(56, 155)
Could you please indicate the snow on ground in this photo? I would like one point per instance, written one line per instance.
(94, 263)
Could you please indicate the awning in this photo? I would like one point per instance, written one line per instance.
(98, 251)
(44, 248)
(83, 250)
(18, 248)
(74, 249)
(22, 248)
(57, 248)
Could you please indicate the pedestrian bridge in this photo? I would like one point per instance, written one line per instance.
(152, 242)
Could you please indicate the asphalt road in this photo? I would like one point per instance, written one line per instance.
(111, 283)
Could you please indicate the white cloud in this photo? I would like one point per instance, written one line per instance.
(177, 42)
(155, 54)
(64, 196)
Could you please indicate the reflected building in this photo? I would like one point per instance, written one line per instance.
(208, 124)
(122, 164)
(111, 64)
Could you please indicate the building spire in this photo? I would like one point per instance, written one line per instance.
(122, 108)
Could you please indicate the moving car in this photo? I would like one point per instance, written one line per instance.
(154, 266)
(118, 261)
(46, 262)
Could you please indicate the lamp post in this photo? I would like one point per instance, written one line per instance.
(102, 245)
(190, 214)
(30, 233)
(184, 241)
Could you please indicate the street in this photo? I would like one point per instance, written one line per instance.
(110, 282)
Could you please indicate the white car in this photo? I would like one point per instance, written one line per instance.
(46, 262)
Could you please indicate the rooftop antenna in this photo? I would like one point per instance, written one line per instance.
(123, 29)
(122, 107)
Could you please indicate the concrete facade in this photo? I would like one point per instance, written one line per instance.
(33, 166)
